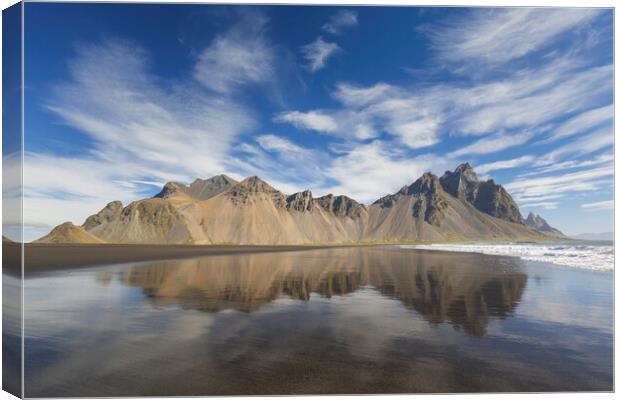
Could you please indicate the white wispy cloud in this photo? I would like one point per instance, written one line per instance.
(571, 183)
(339, 21)
(312, 120)
(597, 140)
(500, 35)
(547, 205)
(524, 199)
(369, 171)
(12, 193)
(317, 53)
(58, 189)
(145, 129)
(142, 129)
(379, 108)
(360, 96)
(504, 164)
(522, 106)
(584, 122)
(240, 56)
(495, 143)
(599, 205)
(129, 116)
(278, 144)
(606, 159)
(277, 160)
(528, 105)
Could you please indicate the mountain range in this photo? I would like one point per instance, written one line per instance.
(607, 236)
(220, 210)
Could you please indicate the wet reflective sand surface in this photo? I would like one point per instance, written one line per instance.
(349, 320)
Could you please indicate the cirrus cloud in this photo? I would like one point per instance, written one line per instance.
(339, 21)
(318, 52)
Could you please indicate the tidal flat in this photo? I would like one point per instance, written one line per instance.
(378, 319)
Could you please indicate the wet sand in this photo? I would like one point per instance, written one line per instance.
(49, 257)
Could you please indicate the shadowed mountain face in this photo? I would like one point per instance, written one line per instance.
(428, 199)
(486, 196)
(220, 210)
(462, 289)
(538, 223)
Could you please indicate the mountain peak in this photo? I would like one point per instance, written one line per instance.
(464, 167)
(301, 201)
(200, 189)
(486, 196)
(254, 212)
(108, 213)
(539, 224)
(169, 189)
(465, 171)
(341, 206)
(427, 183)
(67, 232)
(217, 178)
(204, 189)
(255, 184)
(252, 186)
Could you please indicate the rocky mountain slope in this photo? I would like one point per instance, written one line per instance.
(220, 210)
(201, 189)
(486, 196)
(538, 223)
(427, 211)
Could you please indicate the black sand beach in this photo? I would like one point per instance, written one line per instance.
(46, 257)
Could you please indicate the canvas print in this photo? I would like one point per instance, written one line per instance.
(204, 200)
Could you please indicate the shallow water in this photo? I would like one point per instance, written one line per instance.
(352, 320)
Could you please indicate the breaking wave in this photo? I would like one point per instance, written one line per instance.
(593, 256)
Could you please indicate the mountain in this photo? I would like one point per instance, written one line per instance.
(486, 196)
(537, 222)
(220, 210)
(69, 233)
(595, 236)
(425, 210)
(200, 189)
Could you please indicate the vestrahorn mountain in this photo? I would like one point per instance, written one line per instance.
(220, 210)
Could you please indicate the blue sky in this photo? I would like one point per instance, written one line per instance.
(348, 100)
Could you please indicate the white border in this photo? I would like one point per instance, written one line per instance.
(476, 3)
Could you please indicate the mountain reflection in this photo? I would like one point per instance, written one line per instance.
(466, 290)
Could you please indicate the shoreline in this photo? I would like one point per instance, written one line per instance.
(49, 257)
(43, 257)
(596, 262)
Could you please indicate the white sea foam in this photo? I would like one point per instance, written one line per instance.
(599, 257)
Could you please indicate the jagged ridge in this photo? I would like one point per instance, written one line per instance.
(486, 196)
(538, 223)
(221, 210)
(201, 189)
